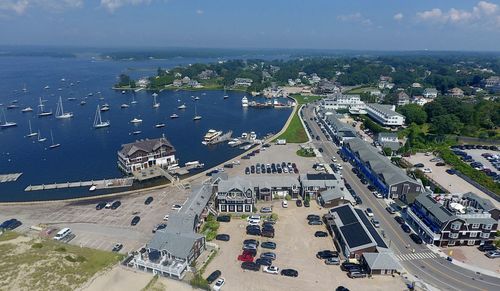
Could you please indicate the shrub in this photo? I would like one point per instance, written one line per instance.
(37, 246)
(199, 282)
(60, 249)
(70, 259)
(274, 216)
(288, 197)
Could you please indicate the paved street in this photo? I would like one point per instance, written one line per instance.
(435, 271)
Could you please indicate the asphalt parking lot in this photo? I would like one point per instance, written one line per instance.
(296, 249)
(100, 229)
(476, 155)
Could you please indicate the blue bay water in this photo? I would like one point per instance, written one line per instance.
(86, 153)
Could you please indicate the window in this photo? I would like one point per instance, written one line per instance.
(473, 234)
(455, 226)
(471, 242)
(451, 243)
(453, 235)
(475, 226)
(485, 235)
(487, 226)
(394, 189)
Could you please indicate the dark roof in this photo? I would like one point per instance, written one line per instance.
(346, 215)
(321, 176)
(146, 145)
(354, 235)
(371, 229)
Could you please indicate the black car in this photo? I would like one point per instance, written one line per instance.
(100, 205)
(254, 232)
(222, 237)
(405, 228)
(264, 262)
(315, 222)
(348, 186)
(341, 288)
(419, 165)
(215, 274)
(116, 204)
(267, 233)
(159, 227)
(355, 171)
(327, 254)
(268, 245)
(289, 273)
(451, 171)
(358, 200)
(224, 218)
(321, 234)
(250, 266)
(298, 203)
(487, 248)
(11, 224)
(313, 217)
(346, 266)
(306, 203)
(320, 150)
(399, 219)
(416, 239)
(135, 220)
(363, 181)
(148, 200)
(371, 188)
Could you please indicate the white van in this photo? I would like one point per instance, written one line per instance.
(62, 233)
(284, 204)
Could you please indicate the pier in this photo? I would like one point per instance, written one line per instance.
(99, 184)
(10, 177)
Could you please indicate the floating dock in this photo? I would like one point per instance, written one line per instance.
(99, 184)
(10, 177)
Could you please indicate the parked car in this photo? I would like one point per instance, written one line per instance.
(135, 220)
(399, 219)
(321, 234)
(440, 164)
(254, 232)
(268, 245)
(377, 194)
(289, 273)
(284, 204)
(487, 248)
(212, 277)
(100, 205)
(268, 255)
(11, 224)
(315, 222)
(416, 238)
(363, 181)
(222, 237)
(148, 200)
(298, 202)
(219, 283)
(419, 165)
(271, 270)
(159, 226)
(264, 262)
(251, 241)
(115, 205)
(375, 222)
(427, 170)
(250, 266)
(117, 248)
(371, 188)
(346, 266)
(332, 261)
(493, 254)
(327, 254)
(369, 212)
(306, 203)
(355, 274)
(358, 200)
(341, 288)
(266, 210)
(390, 210)
(224, 218)
(176, 207)
(245, 258)
(313, 217)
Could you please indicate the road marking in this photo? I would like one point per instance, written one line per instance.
(417, 256)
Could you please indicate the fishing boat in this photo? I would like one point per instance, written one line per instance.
(160, 125)
(6, 123)
(196, 116)
(174, 116)
(31, 134)
(27, 109)
(42, 111)
(98, 123)
(136, 120)
(53, 145)
(155, 104)
(124, 105)
(60, 114)
(40, 138)
(183, 106)
(244, 101)
(105, 107)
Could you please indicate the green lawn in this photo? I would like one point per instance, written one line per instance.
(295, 132)
(361, 90)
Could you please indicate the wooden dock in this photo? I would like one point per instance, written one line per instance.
(99, 184)
(10, 177)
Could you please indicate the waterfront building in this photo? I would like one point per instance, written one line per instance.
(177, 83)
(390, 180)
(451, 220)
(146, 153)
(384, 114)
(341, 101)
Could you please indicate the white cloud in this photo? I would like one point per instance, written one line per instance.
(20, 6)
(484, 12)
(398, 16)
(355, 17)
(200, 12)
(112, 5)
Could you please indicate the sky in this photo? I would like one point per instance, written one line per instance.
(317, 24)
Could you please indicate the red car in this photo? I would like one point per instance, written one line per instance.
(245, 258)
(251, 253)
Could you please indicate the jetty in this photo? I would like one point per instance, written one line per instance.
(99, 184)
(9, 177)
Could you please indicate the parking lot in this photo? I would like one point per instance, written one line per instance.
(100, 229)
(296, 249)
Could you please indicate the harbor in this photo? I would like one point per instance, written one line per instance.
(91, 185)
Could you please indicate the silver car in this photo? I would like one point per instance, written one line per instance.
(332, 261)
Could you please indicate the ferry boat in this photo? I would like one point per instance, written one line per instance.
(160, 125)
(210, 136)
(136, 120)
(183, 106)
(27, 109)
(244, 101)
(174, 116)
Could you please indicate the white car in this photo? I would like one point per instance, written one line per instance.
(176, 207)
(219, 283)
(427, 170)
(339, 166)
(377, 194)
(254, 217)
(369, 212)
(284, 204)
(271, 270)
(165, 218)
(254, 222)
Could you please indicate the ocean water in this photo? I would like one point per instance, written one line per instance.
(87, 153)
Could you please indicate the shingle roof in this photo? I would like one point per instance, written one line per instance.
(177, 244)
(250, 182)
(384, 109)
(382, 261)
(435, 208)
(146, 145)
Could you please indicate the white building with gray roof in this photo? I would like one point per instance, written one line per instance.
(384, 114)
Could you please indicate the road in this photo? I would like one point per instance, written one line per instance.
(421, 263)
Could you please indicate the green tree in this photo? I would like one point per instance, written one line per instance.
(414, 113)
(446, 124)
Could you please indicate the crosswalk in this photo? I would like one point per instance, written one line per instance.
(417, 256)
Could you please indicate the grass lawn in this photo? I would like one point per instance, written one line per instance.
(360, 90)
(8, 235)
(295, 132)
(39, 264)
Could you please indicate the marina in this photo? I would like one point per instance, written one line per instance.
(99, 184)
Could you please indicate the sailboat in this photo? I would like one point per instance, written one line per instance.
(53, 145)
(31, 134)
(6, 123)
(42, 112)
(98, 123)
(60, 111)
(196, 116)
(133, 100)
(174, 116)
(225, 95)
(155, 104)
(40, 138)
(136, 120)
(27, 109)
(183, 106)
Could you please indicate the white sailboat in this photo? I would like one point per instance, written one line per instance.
(27, 109)
(40, 138)
(196, 116)
(98, 123)
(6, 123)
(155, 104)
(225, 95)
(53, 145)
(60, 114)
(133, 100)
(183, 106)
(31, 134)
(42, 111)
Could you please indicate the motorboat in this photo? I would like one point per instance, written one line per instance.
(183, 106)
(27, 109)
(160, 125)
(174, 116)
(124, 105)
(136, 120)
(244, 101)
(210, 136)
